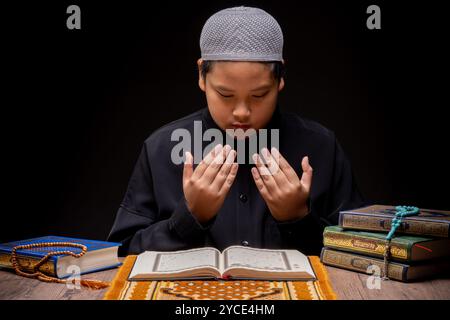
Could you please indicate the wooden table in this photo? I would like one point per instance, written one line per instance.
(347, 285)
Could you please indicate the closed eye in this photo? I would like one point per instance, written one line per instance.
(223, 95)
(260, 96)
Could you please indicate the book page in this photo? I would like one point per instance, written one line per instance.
(188, 259)
(271, 260)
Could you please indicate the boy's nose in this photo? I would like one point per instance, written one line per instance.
(241, 113)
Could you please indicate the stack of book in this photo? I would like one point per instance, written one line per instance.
(419, 249)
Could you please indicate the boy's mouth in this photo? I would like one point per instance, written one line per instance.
(242, 126)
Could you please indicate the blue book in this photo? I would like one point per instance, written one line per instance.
(100, 255)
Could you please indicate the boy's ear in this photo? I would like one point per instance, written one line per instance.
(281, 84)
(201, 81)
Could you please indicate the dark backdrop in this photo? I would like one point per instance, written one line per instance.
(79, 103)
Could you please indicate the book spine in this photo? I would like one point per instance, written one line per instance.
(365, 245)
(349, 220)
(362, 264)
(26, 263)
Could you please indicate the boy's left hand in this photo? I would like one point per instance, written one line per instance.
(285, 194)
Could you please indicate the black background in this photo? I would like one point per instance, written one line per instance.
(78, 104)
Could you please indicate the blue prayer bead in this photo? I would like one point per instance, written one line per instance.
(402, 211)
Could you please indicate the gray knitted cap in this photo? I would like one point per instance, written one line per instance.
(242, 34)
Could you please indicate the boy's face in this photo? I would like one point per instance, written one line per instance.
(240, 94)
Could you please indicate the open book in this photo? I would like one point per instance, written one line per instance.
(236, 262)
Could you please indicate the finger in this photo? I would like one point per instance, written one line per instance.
(307, 174)
(188, 167)
(260, 184)
(260, 165)
(269, 161)
(285, 167)
(265, 174)
(229, 180)
(279, 177)
(203, 165)
(213, 154)
(213, 168)
(224, 171)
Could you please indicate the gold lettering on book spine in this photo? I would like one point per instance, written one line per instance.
(429, 228)
(27, 263)
(361, 264)
(359, 244)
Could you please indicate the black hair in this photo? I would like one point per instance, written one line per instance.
(277, 68)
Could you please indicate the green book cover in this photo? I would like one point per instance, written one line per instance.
(405, 248)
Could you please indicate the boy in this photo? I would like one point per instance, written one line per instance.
(271, 199)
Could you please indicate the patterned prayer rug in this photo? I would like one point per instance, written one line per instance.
(122, 289)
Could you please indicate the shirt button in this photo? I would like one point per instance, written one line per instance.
(244, 243)
(243, 197)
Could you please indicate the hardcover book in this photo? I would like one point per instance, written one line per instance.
(237, 262)
(433, 223)
(100, 255)
(403, 247)
(396, 271)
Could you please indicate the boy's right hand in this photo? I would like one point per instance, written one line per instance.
(206, 187)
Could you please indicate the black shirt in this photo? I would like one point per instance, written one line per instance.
(154, 216)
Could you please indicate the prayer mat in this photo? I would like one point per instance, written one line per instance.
(122, 289)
